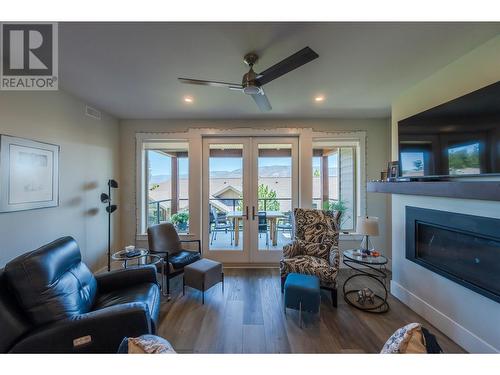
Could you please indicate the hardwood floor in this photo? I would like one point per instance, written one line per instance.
(249, 318)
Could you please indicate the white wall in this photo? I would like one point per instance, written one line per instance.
(378, 153)
(467, 317)
(88, 158)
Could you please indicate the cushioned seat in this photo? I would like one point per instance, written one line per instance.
(315, 248)
(302, 293)
(145, 293)
(203, 275)
(50, 302)
(183, 258)
(311, 265)
(164, 241)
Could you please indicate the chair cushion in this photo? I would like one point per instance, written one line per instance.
(147, 293)
(51, 283)
(163, 238)
(183, 258)
(317, 226)
(310, 265)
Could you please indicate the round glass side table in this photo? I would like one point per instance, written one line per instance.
(365, 267)
(122, 256)
(143, 258)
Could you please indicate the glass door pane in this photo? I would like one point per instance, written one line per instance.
(274, 196)
(225, 173)
(225, 176)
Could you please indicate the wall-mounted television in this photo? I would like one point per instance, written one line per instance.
(455, 139)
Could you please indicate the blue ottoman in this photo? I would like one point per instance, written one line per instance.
(302, 293)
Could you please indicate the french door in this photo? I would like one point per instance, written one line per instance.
(249, 192)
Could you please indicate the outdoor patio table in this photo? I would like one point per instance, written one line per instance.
(272, 218)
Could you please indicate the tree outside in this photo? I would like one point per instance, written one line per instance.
(267, 199)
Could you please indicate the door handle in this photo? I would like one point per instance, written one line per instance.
(253, 213)
(245, 216)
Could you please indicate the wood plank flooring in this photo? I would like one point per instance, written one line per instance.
(249, 318)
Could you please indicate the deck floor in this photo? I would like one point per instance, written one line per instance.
(222, 241)
(249, 318)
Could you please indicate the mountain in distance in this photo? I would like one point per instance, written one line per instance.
(278, 171)
(267, 171)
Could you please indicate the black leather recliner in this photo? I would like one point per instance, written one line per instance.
(50, 302)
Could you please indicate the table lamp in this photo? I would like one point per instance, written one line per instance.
(367, 226)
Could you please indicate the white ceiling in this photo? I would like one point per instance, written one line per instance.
(130, 69)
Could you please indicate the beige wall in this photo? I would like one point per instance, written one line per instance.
(378, 153)
(88, 157)
(462, 314)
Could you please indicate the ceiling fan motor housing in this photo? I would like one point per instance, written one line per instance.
(250, 87)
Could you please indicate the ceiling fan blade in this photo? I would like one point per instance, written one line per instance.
(292, 62)
(262, 101)
(190, 81)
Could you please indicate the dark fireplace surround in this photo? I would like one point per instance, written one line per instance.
(462, 248)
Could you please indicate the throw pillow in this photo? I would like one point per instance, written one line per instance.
(406, 340)
(146, 344)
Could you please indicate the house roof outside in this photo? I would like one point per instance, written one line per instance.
(220, 186)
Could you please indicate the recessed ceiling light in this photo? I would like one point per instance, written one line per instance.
(188, 99)
(319, 98)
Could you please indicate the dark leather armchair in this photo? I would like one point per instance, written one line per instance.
(50, 302)
(163, 240)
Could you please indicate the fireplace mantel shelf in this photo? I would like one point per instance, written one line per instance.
(481, 190)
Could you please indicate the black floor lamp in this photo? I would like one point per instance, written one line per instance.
(110, 208)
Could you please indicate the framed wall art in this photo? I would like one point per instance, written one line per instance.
(29, 174)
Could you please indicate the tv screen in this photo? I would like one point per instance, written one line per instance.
(457, 138)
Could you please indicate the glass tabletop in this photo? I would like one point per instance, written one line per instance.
(122, 254)
(357, 256)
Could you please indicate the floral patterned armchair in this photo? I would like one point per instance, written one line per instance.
(315, 249)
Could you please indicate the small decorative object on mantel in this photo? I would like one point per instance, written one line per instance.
(110, 208)
(29, 174)
(392, 171)
(366, 295)
(383, 176)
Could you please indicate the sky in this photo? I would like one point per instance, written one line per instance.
(160, 164)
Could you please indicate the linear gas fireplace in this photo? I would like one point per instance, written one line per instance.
(462, 248)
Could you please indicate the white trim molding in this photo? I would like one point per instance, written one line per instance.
(461, 335)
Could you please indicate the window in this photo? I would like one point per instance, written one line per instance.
(334, 179)
(167, 184)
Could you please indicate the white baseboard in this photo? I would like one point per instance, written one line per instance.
(461, 335)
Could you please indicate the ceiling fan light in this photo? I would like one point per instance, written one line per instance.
(252, 90)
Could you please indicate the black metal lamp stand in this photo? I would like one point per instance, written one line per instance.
(110, 208)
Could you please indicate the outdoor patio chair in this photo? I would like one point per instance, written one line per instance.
(263, 226)
(285, 223)
(220, 224)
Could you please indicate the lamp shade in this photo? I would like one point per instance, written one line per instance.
(367, 225)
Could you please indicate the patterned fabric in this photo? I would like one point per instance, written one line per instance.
(314, 250)
(310, 265)
(146, 344)
(407, 339)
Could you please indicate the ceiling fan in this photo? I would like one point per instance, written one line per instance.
(252, 82)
